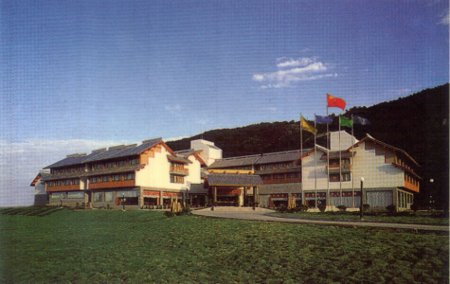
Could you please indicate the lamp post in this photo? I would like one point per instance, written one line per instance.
(361, 200)
(431, 196)
(123, 201)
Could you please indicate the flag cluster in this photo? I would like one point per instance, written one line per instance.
(333, 101)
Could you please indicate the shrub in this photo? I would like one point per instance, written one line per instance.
(342, 208)
(322, 207)
(365, 207)
(391, 209)
(302, 208)
(185, 211)
(282, 208)
(169, 214)
(414, 206)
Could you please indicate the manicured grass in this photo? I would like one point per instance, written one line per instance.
(427, 218)
(98, 246)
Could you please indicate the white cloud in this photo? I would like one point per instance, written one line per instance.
(21, 161)
(173, 108)
(291, 71)
(290, 62)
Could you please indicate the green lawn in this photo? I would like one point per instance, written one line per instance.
(427, 218)
(98, 246)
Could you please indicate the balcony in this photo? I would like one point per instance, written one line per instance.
(178, 171)
(57, 188)
(112, 184)
(334, 168)
(280, 181)
(411, 186)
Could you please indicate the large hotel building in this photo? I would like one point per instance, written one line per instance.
(152, 174)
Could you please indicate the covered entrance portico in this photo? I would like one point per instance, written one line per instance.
(234, 189)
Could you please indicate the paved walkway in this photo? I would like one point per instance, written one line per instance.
(246, 213)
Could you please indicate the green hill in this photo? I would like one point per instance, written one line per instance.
(417, 123)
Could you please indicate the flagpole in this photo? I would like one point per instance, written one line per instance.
(340, 166)
(315, 162)
(301, 161)
(351, 159)
(328, 161)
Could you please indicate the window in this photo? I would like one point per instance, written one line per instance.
(129, 176)
(176, 179)
(105, 178)
(116, 177)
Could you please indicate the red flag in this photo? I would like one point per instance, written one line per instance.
(336, 102)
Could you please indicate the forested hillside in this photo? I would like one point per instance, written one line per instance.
(417, 123)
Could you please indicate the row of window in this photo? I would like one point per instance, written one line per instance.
(345, 177)
(63, 182)
(276, 166)
(108, 178)
(115, 164)
(77, 169)
(64, 195)
(281, 176)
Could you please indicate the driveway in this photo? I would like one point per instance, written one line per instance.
(247, 213)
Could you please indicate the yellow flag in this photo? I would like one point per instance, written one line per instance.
(306, 126)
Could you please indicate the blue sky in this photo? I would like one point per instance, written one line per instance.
(80, 74)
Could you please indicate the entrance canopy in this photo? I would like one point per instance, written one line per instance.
(234, 180)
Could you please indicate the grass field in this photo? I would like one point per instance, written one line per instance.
(428, 218)
(99, 246)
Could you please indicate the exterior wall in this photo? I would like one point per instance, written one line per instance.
(209, 152)
(194, 168)
(347, 140)
(39, 188)
(374, 169)
(157, 173)
(308, 175)
(67, 198)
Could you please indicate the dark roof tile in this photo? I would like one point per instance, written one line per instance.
(233, 179)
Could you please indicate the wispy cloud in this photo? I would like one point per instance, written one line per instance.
(173, 108)
(291, 71)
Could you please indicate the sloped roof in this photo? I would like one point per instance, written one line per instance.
(69, 161)
(265, 158)
(106, 154)
(393, 148)
(233, 180)
(235, 162)
(278, 157)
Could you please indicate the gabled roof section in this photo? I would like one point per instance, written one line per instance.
(178, 159)
(233, 180)
(381, 143)
(186, 153)
(308, 151)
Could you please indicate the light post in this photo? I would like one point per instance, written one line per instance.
(431, 196)
(361, 200)
(123, 201)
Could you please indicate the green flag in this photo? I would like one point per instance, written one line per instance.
(345, 121)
